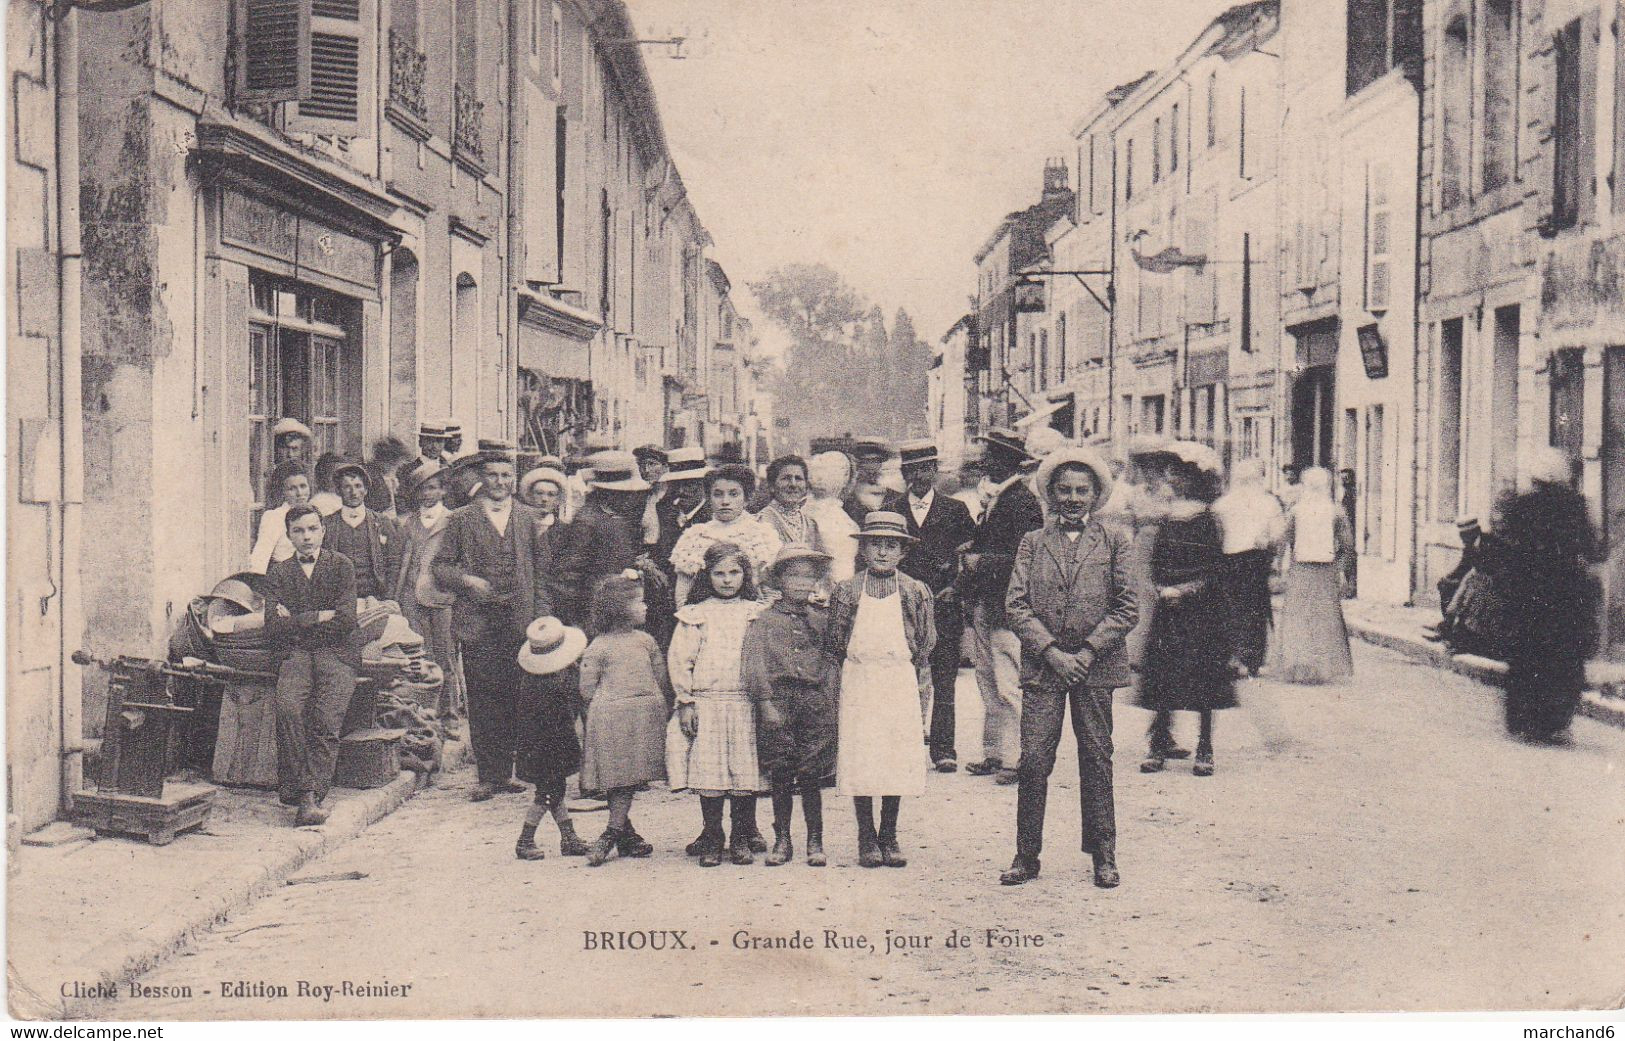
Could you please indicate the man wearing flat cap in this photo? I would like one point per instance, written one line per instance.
(1012, 512)
(490, 556)
(942, 524)
(1071, 603)
(869, 455)
(364, 535)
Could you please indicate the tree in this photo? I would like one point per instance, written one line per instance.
(819, 388)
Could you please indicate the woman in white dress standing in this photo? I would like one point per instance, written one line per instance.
(881, 629)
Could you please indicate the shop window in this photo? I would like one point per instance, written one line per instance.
(1455, 112)
(1567, 425)
(1447, 408)
(303, 364)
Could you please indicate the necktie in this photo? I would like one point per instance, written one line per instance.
(307, 560)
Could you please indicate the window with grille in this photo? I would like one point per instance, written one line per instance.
(302, 364)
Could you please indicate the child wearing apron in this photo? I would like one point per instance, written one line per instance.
(881, 632)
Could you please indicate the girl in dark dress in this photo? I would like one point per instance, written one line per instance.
(1551, 601)
(547, 750)
(1187, 650)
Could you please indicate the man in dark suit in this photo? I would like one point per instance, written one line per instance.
(942, 524)
(598, 540)
(1012, 512)
(367, 537)
(1071, 603)
(490, 557)
(683, 505)
(310, 619)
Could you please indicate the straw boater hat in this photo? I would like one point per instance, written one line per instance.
(884, 524)
(912, 453)
(494, 450)
(793, 552)
(289, 425)
(1003, 439)
(539, 475)
(434, 430)
(871, 446)
(615, 472)
(1074, 455)
(550, 646)
(685, 464)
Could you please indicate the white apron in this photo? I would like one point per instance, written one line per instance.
(878, 751)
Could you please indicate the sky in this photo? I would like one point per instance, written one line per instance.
(886, 138)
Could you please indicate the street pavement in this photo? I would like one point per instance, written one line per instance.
(1373, 845)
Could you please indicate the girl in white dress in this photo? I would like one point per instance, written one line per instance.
(728, 488)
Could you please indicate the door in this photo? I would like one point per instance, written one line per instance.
(1613, 496)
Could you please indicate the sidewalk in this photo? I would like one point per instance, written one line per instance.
(92, 911)
(1402, 629)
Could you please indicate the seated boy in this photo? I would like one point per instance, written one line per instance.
(310, 618)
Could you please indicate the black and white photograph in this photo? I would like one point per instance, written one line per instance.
(742, 509)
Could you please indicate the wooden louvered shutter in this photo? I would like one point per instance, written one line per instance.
(273, 50)
(342, 58)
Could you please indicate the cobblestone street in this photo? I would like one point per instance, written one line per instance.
(1377, 845)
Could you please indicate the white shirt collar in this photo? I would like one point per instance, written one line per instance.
(498, 513)
(310, 568)
(431, 516)
(353, 517)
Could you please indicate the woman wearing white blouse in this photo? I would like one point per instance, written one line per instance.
(291, 484)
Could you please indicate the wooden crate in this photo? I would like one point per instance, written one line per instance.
(182, 808)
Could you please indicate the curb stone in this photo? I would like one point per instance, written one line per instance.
(131, 954)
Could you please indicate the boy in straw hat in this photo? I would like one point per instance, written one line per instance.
(1071, 603)
(786, 675)
(548, 752)
(881, 631)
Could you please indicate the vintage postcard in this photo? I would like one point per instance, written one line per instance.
(736, 508)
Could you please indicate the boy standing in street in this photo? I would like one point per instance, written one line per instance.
(310, 618)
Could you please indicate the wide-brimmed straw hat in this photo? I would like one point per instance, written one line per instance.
(884, 524)
(794, 552)
(1074, 455)
(289, 425)
(685, 464)
(539, 475)
(1004, 439)
(550, 646)
(615, 472)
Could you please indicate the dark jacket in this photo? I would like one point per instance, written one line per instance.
(595, 543)
(387, 546)
(330, 587)
(934, 559)
(1011, 515)
(466, 547)
(1073, 597)
(919, 625)
(672, 527)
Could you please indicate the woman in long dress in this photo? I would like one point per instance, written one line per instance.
(1187, 648)
(1313, 639)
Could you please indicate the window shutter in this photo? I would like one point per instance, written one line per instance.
(1619, 107)
(342, 63)
(1590, 39)
(273, 50)
(1198, 280)
(541, 188)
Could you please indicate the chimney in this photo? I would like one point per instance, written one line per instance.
(1055, 178)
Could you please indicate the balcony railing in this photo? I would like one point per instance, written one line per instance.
(467, 139)
(406, 73)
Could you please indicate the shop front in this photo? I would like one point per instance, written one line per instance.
(557, 398)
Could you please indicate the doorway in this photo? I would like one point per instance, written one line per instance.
(1313, 400)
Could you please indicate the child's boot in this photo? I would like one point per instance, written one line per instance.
(602, 848)
(526, 848)
(632, 844)
(812, 808)
(570, 844)
(868, 842)
(741, 848)
(782, 849)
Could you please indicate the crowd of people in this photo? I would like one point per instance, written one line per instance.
(633, 618)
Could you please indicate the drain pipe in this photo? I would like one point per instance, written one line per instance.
(1416, 357)
(70, 688)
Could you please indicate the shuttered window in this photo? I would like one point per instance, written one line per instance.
(338, 101)
(273, 50)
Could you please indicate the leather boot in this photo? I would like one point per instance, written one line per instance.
(570, 844)
(782, 849)
(310, 814)
(1106, 876)
(602, 848)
